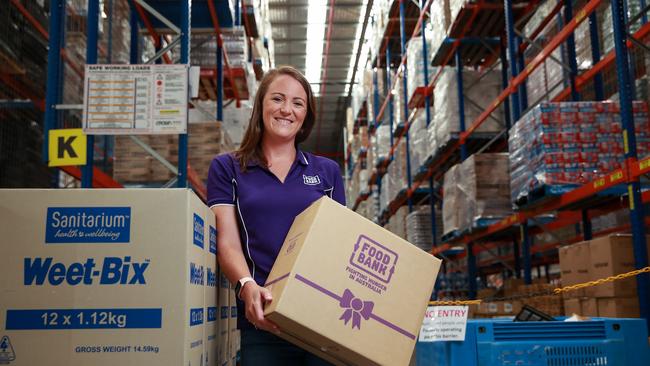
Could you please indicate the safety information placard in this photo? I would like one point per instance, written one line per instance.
(444, 323)
(135, 99)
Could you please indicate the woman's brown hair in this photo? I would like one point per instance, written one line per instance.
(250, 149)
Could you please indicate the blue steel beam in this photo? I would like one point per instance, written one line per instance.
(427, 113)
(375, 98)
(461, 101)
(471, 271)
(91, 58)
(571, 52)
(53, 73)
(512, 56)
(504, 86)
(599, 89)
(219, 81)
(133, 46)
(405, 98)
(185, 59)
(515, 104)
(526, 244)
(523, 93)
(388, 95)
(515, 253)
(634, 187)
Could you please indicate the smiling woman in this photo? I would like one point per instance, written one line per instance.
(255, 193)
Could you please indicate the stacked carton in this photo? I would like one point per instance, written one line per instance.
(562, 145)
(595, 259)
(479, 91)
(419, 149)
(476, 190)
(415, 63)
(132, 164)
(549, 304)
(418, 227)
(98, 280)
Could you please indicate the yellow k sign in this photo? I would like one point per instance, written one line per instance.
(67, 147)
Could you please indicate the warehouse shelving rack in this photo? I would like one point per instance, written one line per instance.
(579, 200)
(167, 17)
(469, 47)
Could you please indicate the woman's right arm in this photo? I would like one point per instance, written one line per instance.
(233, 264)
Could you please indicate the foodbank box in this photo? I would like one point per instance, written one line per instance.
(348, 290)
(102, 277)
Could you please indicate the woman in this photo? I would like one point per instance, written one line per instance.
(255, 194)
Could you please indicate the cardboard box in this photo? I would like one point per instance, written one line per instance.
(224, 318)
(233, 332)
(611, 255)
(574, 267)
(572, 306)
(618, 307)
(103, 276)
(343, 286)
(589, 307)
(511, 286)
(211, 338)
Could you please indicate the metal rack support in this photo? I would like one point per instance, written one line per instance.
(91, 58)
(629, 138)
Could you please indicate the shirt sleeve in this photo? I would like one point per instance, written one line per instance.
(339, 190)
(221, 190)
(338, 193)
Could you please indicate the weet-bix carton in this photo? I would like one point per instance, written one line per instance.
(225, 293)
(348, 290)
(211, 329)
(103, 277)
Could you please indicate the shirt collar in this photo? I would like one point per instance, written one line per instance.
(300, 156)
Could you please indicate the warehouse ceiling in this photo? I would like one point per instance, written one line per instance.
(289, 22)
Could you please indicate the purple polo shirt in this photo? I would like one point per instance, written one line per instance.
(265, 207)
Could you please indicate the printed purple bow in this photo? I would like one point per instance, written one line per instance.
(355, 308)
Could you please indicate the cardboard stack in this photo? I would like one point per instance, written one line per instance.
(476, 192)
(341, 293)
(490, 309)
(600, 258)
(134, 165)
(549, 304)
(558, 146)
(92, 277)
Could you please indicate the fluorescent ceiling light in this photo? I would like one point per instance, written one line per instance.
(316, 18)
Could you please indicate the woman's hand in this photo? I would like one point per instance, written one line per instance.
(255, 297)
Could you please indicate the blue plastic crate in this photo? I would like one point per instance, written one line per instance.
(488, 342)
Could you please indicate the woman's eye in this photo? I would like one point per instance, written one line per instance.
(298, 105)
(277, 99)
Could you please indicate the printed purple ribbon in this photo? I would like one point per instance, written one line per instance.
(355, 308)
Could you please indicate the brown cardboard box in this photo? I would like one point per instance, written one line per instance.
(486, 293)
(572, 306)
(618, 307)
(343, 286)
(499, 308)
(574, 266)
(511, 286)
(611, 255)
(589, 307)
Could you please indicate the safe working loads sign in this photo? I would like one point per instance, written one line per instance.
(135, 99)
(67, 147)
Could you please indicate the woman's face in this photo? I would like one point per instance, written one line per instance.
(284, 108)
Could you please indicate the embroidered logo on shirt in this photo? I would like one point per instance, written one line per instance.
(311, 180)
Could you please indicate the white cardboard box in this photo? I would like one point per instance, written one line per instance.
(103, 276)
